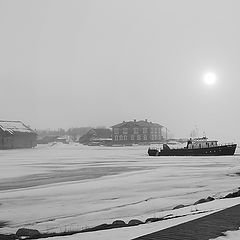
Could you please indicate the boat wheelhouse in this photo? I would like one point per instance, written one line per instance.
(201, 143)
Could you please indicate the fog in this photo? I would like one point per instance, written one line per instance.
(89, 63)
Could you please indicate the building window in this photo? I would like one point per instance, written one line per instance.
(135, 130)
(156, 137)
(125, 131)
(152, 137)
(145, 137)
(116, 131)
(156, 130)
(125, 137)
(144, 130)
(151, 130)
(138, 137)
(120, 137)
(132, 137)
(116, 137)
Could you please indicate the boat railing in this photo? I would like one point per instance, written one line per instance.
(154, 148)
(178, 147)
(225, 144)
(161, 148)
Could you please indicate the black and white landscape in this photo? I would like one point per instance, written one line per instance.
(73, 71)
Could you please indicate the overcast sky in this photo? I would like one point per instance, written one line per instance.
(66, 63)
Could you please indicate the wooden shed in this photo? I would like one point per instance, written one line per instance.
(15, 134)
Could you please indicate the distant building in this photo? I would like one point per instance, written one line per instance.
(97, 136)
(136, 132)
(52, 139)
(15, 134)
(46, 139)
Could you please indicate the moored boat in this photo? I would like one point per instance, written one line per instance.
(196, 147)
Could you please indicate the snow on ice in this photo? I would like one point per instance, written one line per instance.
(70, 187)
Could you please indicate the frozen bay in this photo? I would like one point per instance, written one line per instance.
(68, 187)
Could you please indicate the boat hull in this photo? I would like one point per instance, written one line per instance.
(210, 151)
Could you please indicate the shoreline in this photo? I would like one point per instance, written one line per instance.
(117, 224)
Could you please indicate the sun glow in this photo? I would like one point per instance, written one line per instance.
(210, 78)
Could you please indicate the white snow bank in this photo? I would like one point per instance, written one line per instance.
(187, 213)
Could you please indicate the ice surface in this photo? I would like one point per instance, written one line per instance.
(69, 187)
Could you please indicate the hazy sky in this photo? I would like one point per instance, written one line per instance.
(66, 63)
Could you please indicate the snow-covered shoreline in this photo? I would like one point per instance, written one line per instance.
(178, 216)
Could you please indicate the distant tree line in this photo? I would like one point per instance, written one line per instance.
(74, 133)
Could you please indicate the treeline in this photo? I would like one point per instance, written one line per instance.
(74, 133)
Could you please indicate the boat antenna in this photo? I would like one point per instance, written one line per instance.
(196, 131)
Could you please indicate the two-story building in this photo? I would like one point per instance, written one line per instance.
(136, 132)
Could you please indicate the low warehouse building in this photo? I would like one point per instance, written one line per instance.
(15, 134)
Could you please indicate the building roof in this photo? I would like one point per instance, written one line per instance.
(100, 132)
(125, 124)
(96, 133)
(141, 123)
(15, 126)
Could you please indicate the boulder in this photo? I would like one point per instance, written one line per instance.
(209, 199)
(203, 200)
(179, 206)
(25, 232)
(134, 222)
(103, 226)
(152, 220)
(233, 195)
(119, 223)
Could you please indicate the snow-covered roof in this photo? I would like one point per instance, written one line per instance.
(14, 126)
(141, 123)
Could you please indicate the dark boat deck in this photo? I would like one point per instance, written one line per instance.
(205, 228)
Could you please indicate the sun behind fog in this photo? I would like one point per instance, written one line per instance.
(210, 78)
